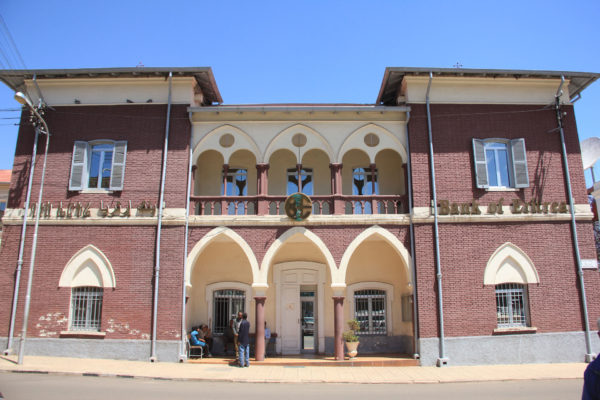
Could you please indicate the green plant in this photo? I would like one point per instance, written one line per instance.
(350, 336)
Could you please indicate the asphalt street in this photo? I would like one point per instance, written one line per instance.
(21, 386)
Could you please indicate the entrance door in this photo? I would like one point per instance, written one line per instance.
(308, 320)
(290, 315)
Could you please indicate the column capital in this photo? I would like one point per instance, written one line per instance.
(260, 299)
(262, 166)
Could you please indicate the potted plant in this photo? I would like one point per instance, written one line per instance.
(351, 338)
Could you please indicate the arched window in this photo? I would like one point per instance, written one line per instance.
(86, 308)
(227, 303)
(511, 305)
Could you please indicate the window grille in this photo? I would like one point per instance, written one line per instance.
(227, 303)
(369, 311)
(511, 305)
(86, 308)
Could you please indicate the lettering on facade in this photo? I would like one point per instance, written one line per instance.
(83, 210)
(497, 208)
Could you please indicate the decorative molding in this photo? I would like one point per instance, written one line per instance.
(88, 267)
(510, 264)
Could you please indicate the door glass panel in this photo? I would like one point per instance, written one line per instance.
(307, 318)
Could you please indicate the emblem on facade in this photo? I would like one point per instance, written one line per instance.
(298, 206)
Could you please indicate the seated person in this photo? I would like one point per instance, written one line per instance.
(196, 339)
(205, 334)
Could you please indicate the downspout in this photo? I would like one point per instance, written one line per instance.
(182, 353)
(159, 225)
(589, 357)
(13, 314)
(442, 360)
(413, 269)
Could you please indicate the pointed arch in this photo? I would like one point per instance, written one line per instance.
(387, 140)
(314, 140)
(210, 237)
(280, 241)
(388, 237)
(510, 264)
(210, 141)
(88, 267)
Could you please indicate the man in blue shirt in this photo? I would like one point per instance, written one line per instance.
(244, 341)
(196, 338)
(591, 378)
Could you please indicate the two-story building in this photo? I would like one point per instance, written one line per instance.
(439, 217)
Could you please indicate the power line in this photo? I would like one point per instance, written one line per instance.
(15, 49)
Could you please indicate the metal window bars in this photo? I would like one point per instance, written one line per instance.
(511, 305)
(369, 311)
(227, 303)
(86, 308)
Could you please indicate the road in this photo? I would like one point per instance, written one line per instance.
(20, 386)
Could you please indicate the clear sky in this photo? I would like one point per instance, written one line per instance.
(305, 51)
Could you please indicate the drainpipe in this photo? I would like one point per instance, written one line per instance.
(413, 268)
(182, 353)
(21, 248)
(589, 357)
(159, 225)
(442, 361)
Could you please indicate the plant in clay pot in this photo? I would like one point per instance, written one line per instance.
(351, 338)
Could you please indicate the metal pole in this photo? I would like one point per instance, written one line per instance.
(13, 314)
(588, 341)
(159, 225)
(442, 360)
(34, 244)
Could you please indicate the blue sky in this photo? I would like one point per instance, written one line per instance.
(305, 51)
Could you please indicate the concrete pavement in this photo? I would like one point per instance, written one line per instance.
(289, 374)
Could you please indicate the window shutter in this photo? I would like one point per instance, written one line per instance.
(78, 166)
(117, 174)
(481, 174)
(519, 163)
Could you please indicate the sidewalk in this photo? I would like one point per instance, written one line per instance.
(289, 374)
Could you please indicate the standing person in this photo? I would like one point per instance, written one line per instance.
(236, 329)
(244, 341)
(591, 378)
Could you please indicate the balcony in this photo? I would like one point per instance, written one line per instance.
(322, 205)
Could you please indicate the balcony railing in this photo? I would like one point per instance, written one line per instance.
(322, 205)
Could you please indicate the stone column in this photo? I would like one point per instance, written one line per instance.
(224, 204)
(259, 344)
(336, 188)
(196, 210)
(262, 188)
(338, 323)
(374, 207)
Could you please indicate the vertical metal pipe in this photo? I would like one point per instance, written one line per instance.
(588, 341)
(413, 268)
(182, 352)
(442, 360)
(159, 225)
(33, 248)
(13, 314)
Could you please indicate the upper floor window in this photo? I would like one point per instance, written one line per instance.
(364, 182)
(235, 182)
(98, 165)
(300, 180)
(500, 163)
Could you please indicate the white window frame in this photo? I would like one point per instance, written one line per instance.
(211, 288)
(89, 324)
(389, 297)
(511, 290)
(81, 164)
(518, 174)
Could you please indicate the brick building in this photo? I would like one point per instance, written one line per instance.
(120, 273)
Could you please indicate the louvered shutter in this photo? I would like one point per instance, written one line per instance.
(117, 175)
(481, 174)
(79, 166)
(519, 163)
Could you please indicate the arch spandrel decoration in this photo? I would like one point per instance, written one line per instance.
(510, 264)
(387, 140)
(211, 236)
(88, 267)
(283, 140)
(241, 141)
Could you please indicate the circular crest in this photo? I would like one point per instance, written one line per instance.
(298, 206)
(227, 140)
(299, 140)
